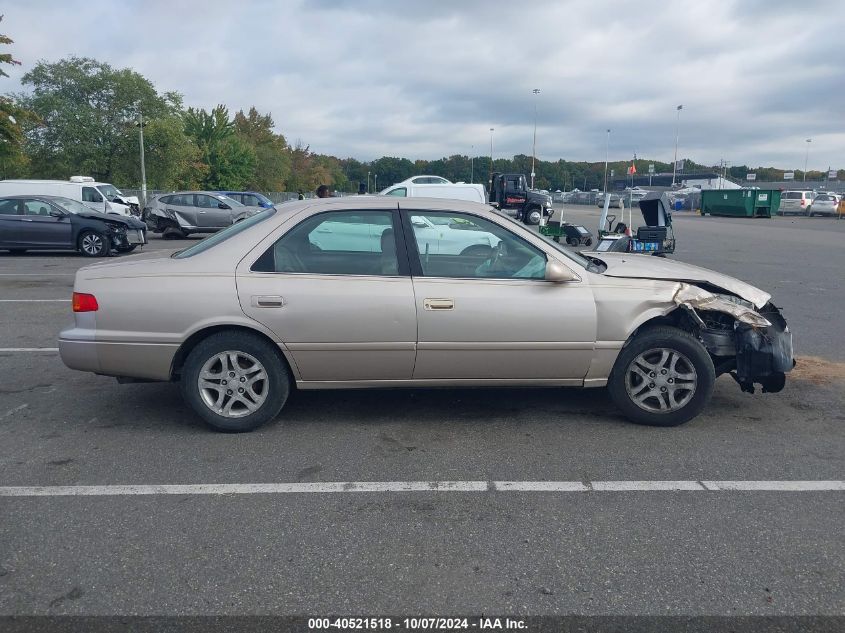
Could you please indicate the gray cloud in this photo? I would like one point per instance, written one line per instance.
(426, 79)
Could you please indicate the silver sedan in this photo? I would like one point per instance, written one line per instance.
(343, 293)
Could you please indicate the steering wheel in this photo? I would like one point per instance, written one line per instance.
(500, 252)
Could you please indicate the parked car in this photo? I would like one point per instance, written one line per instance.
(184, 212)
(795, 202)
(823, 204)
(455, 191)
(99, 196)
(426, 180)
(244, 316)
(58, 223)
(616, 200)
(249, 198)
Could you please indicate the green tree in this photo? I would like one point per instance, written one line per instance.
(86, 110)
(230, 160)
(272, 154)
(13, 161)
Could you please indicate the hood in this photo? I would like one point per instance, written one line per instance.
(649, 267)
(129, 222)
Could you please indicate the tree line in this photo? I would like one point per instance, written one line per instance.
(79, 116)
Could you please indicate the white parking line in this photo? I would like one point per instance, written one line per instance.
(29, 349)
(423, 486)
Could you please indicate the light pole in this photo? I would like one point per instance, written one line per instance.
(141, 125)
(375, 183)
(677, 131)
(368, 182)
(606, 153)
(806, 157)
(491, 159)
(536, 91)
(471, 165)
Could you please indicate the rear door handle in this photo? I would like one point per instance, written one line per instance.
(267, 301)
(439, 304)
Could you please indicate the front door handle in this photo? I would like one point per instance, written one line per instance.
(267, 301)
(439, 304)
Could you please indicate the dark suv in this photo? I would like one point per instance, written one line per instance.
(57, 223)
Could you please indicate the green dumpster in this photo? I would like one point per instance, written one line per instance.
(741, 203)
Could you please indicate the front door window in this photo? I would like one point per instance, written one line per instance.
(466, 246)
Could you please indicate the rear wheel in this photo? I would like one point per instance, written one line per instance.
(663, 377)
(93, 244)
(235, 381)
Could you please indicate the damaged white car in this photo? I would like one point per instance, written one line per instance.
(354, 292)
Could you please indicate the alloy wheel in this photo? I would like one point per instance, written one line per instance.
(92, 244)
(661, 380)
(233, 384)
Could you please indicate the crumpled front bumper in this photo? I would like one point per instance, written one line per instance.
(754, 354)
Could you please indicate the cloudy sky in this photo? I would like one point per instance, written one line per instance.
(426, 79)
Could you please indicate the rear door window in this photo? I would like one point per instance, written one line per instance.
(336, 243)
(9, 207)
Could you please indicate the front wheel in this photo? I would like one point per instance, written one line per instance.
(93, 244)
(235, 381)
(532, 216)
(663, 377)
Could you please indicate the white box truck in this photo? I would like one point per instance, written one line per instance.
(99, 196)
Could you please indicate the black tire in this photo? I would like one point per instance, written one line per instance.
(173, 233)
(528, 213)
(277, 383)
(17, 251)
(588, 241)
(93, 244)
(660, 338)
(572, 241)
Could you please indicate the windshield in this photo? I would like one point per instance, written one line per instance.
(225, 234)
(109, 191)
(72, 206)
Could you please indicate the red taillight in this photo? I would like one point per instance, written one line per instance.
(84, 302)
(803, 202)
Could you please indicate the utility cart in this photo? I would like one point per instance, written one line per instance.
(656, 237)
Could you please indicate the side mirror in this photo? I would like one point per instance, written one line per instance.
(57, 214)
(558, 273)
(223, 205)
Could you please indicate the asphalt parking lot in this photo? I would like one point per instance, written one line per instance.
(488, 540)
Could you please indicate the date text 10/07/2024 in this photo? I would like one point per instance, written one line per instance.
(417, 624)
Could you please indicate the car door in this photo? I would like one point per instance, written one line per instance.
(209, 213)
(92, 198)
(10, 223)
(342, 302)
(40, 229)
(489, 314)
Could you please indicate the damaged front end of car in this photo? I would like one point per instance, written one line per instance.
(755, 346)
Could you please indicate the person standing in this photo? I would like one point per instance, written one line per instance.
(323, 192)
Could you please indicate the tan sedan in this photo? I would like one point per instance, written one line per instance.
(356, 292)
